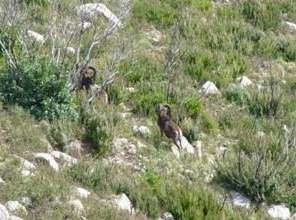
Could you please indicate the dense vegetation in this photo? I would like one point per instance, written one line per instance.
(200, 41)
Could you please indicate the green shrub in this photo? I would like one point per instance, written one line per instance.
(267, 101)
(146, 99)
(202, 4)
(236, 95)
(141, 69)
(184, 200)
(38, 85)
(209, 123)
(37, 2)
(193, 106)
(190, 130)
(96, 135)
(157, 12)
(115, 94)
(87, 174)
(264, 15)
(198, 62)
(260, 168)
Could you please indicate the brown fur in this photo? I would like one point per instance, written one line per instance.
(88, 76)
(167, 125)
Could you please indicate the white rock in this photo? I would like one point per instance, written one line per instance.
(291, 25)
(4, 214)
(123, 203)
(154, 35)
(70, 50)
(244, 81)
(1, 181)
(120, 142)
(87, 11)
(13, 217)
(26, 173)
(221, 151)
(15, 207)
(76, 206)
(240, 200)
(131, 89)
(85, 25)
(65, 157)
(198, 146)
(49, 159)
(186, 146)
(27, 201)
(175, 150)
(167, 216)
(209, 88)
(36, 36)
(81, 192)
(125, 115)
(26, 167)
(279, 211)
(74, 148)
(142, 130)
(26, 164)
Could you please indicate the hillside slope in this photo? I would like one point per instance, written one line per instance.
(227, 69)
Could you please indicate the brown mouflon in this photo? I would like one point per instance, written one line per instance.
(167, 125)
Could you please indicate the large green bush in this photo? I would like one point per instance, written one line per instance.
(39, 85)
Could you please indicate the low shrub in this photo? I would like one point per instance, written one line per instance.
(97, 136)
(261, 167)
(146, 99)
(39, 85)
(209, 123)
(184, 200)
(193, 106)
(266, 102)
(263, 15)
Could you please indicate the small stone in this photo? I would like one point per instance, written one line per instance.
(244, 81)
(36, 36)
(209, 88)
(4, 214)
(89, 10)
(131, 89)
(48, 159)
(81, 192)
(167, 216)
(65, 157)
(221, 151)
(26, 164)
(13, 217)
(120, 142)
(70, 50)
(154, 35)
(186, 146)
(123, 203)
(85, 25)
(16, 207)
(198, 146)
(27, 201)
(26, 173)
(1, 181)
(142, 130)
(291, 25)
(240, 200)
(76, 207)
(175, 150)
(279, 211)
(74, 148)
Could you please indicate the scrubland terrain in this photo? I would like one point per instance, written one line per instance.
(226, 68)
